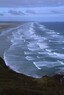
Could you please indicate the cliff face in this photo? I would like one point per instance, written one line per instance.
(12, 83)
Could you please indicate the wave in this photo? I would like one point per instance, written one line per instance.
(33, 47)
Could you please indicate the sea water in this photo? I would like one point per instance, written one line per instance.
(34, 49)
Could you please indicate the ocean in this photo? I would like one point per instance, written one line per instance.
(34, 49)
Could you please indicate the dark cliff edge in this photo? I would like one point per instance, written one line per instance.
(12, 83)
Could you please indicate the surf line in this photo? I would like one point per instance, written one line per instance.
(37, 66)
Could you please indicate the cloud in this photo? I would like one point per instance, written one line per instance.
(30, 3)
(13, 12)
(30, 12)
(55, 12)
(1, 14)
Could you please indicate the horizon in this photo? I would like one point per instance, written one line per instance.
(30, 10)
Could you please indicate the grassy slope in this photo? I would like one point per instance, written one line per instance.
(12, 83)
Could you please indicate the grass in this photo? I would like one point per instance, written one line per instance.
(12, 83)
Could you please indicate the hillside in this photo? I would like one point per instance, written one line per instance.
(12, 83)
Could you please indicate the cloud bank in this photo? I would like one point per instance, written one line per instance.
(30, 3)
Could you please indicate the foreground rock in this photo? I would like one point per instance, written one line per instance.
(12, 83)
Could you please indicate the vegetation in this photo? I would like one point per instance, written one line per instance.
(12, 83)
(4, 25)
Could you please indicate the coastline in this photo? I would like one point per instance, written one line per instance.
(12, 83)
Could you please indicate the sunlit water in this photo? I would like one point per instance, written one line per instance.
(34, 49)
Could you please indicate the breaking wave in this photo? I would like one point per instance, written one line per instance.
(34, 50)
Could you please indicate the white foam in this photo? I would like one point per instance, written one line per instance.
(5, 59)
(43, 28)
(42, 45)
(61, 62)
(59, 55)
(32, 46)
(49, 64)
(29, 58)
(42, 52)
(36, 66)
(41, 39)
(48, 50)
(27, 52)
(55, 35)
(34, 49)
(58, 33)
(51, 32)
(56, 55)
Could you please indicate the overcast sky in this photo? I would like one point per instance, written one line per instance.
(30, 3)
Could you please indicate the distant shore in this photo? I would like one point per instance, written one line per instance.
(6, 25)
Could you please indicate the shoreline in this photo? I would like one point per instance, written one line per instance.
(13, 83)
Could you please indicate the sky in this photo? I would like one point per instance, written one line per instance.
(37, 10)
(30, 3)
